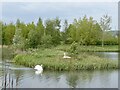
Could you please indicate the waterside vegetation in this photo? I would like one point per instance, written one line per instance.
(52, 59)
(45, 43)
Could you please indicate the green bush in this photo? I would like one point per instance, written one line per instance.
(73, 48)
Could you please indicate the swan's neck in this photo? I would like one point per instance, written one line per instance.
(64, 54)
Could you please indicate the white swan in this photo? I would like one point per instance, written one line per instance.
(66, 56)
(38, 73)
(39, 68)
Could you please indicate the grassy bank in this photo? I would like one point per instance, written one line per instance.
(52, 59)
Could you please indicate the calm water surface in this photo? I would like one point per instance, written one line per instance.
(109, 55)
(23, 77)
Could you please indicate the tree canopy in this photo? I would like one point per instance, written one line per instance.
(84, 31)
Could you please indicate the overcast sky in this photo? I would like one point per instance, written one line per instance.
(31, 11)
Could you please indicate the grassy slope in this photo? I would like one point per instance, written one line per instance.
(52, 60)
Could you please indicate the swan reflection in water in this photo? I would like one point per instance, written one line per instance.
(38, 73)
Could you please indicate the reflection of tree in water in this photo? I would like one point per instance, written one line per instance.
(86, 75)
(7, 54)
(1, 76)
(72, 78)
(1, 72)
(52, 75)
(75, 78)
(18, 74)
(57, 75)
(6, 81)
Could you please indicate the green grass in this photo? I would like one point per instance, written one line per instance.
(111, 48)
(52, 60)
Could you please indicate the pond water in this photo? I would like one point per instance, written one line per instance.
(23, 77)
(109, 55)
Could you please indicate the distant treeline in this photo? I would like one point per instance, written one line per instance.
(84, 31)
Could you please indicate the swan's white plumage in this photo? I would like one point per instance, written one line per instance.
(66, 56)
(39, 68)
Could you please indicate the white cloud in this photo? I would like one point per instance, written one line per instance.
(27, 11)
(29, 6)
